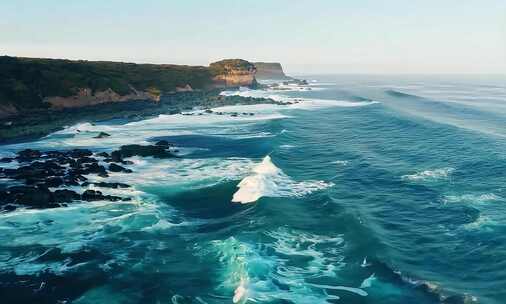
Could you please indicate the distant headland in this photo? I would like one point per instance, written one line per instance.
(270, 71)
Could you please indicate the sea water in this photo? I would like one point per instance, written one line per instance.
(366, 189)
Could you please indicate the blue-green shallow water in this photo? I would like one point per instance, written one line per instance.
(400, 199)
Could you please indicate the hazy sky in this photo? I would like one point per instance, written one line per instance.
(327, 36)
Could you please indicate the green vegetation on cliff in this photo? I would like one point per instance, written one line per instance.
(225, 67)
(25, 82)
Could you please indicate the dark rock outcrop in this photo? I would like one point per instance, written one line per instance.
(117, 168)
(102, 135)
(44, 174)
(144, 151)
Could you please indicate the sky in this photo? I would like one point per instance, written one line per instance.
(307, 37)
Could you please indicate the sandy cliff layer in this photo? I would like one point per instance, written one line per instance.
(86, 97)
(233, 73)
(236, 79)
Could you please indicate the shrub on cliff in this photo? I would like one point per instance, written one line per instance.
(224, 67)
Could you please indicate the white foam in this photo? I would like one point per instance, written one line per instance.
(481, 222)
(340, 162)
(429, 175)
(367, 283)
(68, 229)
(161, 225)
(179, 174)
(268, 180)
(364, 263)
(287, 146)
(471, 198)
(248, 271)
(299, 103)
(354, 290)
(240, 293)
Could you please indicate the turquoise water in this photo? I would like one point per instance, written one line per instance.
(369, 190)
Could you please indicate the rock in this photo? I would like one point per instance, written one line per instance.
(73, 179)
(79, 153)
(6, 160)
(65, 196)
(54, 182)
(111, 185)
(116, 156)
(86, 160)
(9, 207)
(92, 195)
(28, 155)
(95, 168)
(103, 154)
(117, 168)
(162, 143)
(36, 171)
(39, 197)
(55, 154)
(144, 151)
(102, 135)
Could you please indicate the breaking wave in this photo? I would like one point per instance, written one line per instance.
(254, 273)
(268, 180)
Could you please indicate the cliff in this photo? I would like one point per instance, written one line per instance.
(87, 97)
(233, 73)
(28, 84)
(270, 71)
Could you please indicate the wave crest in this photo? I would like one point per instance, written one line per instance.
(268, 180)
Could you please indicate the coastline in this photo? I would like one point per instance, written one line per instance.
(37, 124)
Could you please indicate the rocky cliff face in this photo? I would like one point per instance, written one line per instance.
(233, 73)
(86, 97)
(270, 71)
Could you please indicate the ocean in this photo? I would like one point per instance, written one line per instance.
(366, 189)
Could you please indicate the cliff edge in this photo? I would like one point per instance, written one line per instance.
(270, 71)
(233, 73)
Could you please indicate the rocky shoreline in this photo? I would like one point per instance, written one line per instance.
(36, 124)
(42, 178)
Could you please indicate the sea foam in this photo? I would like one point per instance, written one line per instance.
(249, 274)
(429, 175)
(268, 180)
